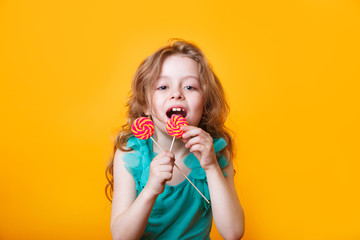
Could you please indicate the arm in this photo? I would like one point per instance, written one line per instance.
(129, 214)
(227, 211)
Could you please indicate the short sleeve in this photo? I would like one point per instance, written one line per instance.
(220, 144)
(137, 163)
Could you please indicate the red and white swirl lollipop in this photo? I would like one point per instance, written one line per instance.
(143, 128)
(174, 127)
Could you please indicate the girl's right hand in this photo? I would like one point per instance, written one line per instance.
(161, 170)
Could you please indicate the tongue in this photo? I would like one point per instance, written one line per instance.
(177, 113)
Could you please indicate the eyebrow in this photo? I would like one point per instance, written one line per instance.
(185, 77)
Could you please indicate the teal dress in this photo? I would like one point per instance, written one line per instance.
(179, 212)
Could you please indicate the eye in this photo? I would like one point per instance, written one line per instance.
(162, 88)
(189, 88)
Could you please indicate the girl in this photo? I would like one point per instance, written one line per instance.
(150, 198)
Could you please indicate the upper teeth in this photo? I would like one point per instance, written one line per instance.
(178, 110)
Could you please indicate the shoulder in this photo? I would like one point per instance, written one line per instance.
(123, 157)
(121, 176)
(119, 155)
(119, 165)
(131, 163)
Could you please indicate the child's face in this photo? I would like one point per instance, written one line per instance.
(177, 91)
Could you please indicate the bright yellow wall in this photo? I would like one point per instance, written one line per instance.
(291, 72)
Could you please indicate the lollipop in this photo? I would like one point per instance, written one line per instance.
(174, 126)
(143, 128)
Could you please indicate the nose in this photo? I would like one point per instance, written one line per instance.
(177, 94)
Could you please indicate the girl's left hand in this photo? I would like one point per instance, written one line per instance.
(201, 145)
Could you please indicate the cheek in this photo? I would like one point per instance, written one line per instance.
(199, 105)
(156, 104)
(201, 102)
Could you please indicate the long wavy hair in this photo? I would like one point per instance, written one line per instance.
(215, 109)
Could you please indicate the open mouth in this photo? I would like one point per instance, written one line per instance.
(176, 111)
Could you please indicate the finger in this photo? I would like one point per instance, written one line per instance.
(164, 154)
(166, 161)
(169, 154)
(192, 141)
(187, 128)
(194, 131)
(200, 139)
(166, 168)
(167, 176)
(197, 148)
(184, 140)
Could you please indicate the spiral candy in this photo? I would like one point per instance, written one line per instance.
(143, 128)
(174, 125)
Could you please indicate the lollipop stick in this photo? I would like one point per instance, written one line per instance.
(191, 183)
(172, 144)
(156, 143)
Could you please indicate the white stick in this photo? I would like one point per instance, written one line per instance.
(191, 183)
(172, 144)
(156, 143)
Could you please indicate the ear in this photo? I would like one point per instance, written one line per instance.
(147, 106)
(147, 111)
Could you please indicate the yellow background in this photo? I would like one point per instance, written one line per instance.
(291, 71)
